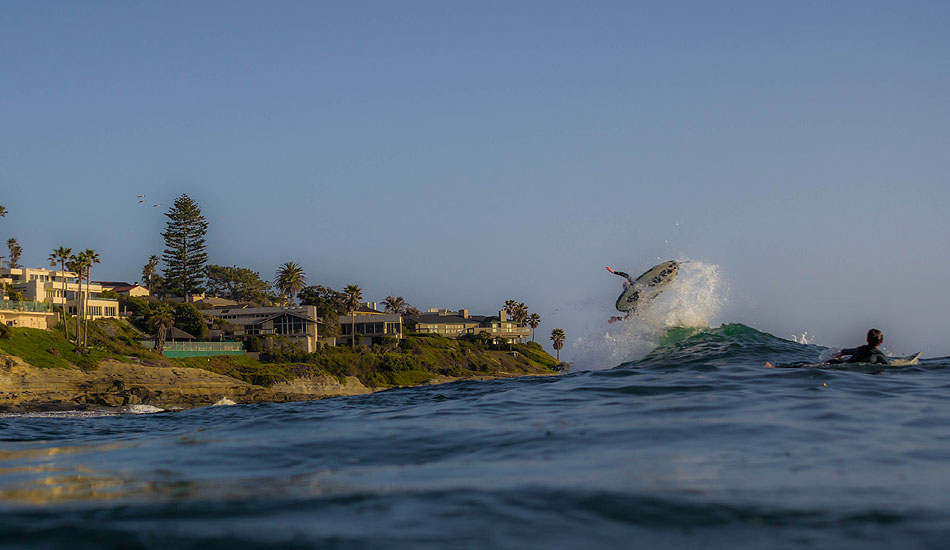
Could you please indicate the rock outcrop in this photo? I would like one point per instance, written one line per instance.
(24, 388)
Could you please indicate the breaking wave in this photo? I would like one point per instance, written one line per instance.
(692, 300)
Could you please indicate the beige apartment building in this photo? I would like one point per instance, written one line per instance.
(60, 288)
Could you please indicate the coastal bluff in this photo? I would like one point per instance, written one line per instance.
(40, 370)
(114, 384)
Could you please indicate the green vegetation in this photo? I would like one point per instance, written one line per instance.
(148, 270)
(13, 260)
(237, 283)
(557, 340)
(108, 339)
(184, 254)
(413, 360)
(290, 279)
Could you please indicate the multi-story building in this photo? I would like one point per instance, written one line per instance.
(455, 324)
(370, 324)
(60, 288)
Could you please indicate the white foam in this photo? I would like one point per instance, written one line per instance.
(693, 299)
(144, 409)
(224, 401)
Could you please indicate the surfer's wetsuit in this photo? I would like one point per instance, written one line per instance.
(624, 275)
(865, 354)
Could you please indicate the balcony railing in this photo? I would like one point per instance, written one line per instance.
(33, 307)
(195, 346)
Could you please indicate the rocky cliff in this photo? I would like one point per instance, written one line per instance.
(24, 388)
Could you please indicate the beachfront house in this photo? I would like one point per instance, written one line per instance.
(370, 324)
(298, 325)
(455, 324)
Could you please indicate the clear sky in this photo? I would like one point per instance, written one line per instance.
(461, 154)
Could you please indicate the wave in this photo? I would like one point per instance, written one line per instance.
(692, 300)
(727, 344)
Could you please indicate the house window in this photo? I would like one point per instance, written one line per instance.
(290, 325)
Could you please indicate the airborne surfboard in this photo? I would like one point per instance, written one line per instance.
(647, 286)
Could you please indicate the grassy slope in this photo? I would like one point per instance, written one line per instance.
(108, 339)
(416, 360)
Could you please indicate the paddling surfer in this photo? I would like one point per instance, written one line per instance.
(868, 353)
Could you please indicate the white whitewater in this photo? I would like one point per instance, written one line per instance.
(693, 299)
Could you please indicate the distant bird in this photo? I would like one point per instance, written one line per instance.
(140, 196)
(141, 201)
(154, 205)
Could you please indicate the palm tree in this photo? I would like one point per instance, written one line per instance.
(290, 280)
(15, 251)
(520, 314)
(62, 255)
(78, 263)
(3, 211)
(395, 304)
(149, 271)
(92, 258)
(557, 337)
(510, 306)
(533, 321)
(161, 318)
(354, 295)
(410, 310)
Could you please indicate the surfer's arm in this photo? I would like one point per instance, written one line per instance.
(621, 273)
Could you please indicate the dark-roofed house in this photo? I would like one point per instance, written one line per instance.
(451, 324)
(455, 324)
(299, 325)
(370, 326)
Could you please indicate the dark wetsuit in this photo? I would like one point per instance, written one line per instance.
(624, 275)
(866, 354)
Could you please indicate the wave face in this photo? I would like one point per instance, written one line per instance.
(692, 445)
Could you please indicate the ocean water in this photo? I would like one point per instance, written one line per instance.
(696, 445)
(669, 434)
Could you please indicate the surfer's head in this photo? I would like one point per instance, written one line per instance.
(875, 337)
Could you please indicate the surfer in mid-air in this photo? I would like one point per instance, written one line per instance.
(644, 288)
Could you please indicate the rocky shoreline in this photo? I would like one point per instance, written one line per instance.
(127, 387)
(116, 385)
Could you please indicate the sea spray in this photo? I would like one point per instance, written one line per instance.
(693, 299)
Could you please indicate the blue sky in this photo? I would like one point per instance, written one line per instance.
(463, 154)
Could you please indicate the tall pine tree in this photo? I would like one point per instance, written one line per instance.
(184, 256)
